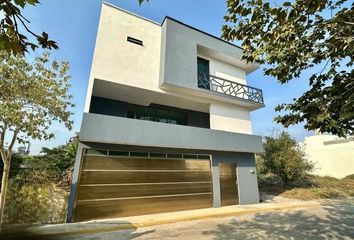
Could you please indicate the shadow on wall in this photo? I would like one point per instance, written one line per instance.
(336, 223)
(106, 230)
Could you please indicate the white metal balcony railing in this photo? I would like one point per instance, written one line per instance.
(229, 88)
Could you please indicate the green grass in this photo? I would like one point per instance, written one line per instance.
(310, 188)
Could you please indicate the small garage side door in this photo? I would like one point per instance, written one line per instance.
(228, 184)
(127, 186)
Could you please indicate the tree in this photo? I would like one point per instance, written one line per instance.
(11, 38)
(60, 160)
(285, 159)
(23, 150)
(32, 97)
(294, 37)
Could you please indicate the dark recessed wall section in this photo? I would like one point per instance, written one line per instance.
(135, 41)
(107, 106)
(154, 112)
(194, 118)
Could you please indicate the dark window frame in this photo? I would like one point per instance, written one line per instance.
(202, 82)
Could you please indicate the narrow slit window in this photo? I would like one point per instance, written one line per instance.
(135, 41)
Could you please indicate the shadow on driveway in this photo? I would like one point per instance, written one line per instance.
(334, 221)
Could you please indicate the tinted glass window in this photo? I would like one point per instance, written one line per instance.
(178, 118)
(157, 115)
(142, 113)
(139, 154)
(96, 152)
(118, 153)
(162, 116)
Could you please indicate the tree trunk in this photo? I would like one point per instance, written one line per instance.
(4, 183)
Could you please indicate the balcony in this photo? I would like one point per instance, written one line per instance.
(229, 88)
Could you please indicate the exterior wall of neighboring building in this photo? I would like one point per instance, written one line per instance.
(332, 156)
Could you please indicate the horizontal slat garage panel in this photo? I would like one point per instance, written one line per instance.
(97, 177)
(127, 186)
(118, 163)
(140, 190)
(130, 207)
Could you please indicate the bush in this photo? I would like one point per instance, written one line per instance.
(39, 185)
(284, 158)
(260, 166)
(35, 203)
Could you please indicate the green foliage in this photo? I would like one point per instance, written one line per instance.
(52, 165)
(33, 95)
(260, 166)
(296, 36)
(38, 188)
(35, 203)
(11, 38)
(60, 160)
(285, 159)
(23, 150)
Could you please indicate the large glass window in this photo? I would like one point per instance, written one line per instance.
(162, 115)
(154, 112)
(157, 115)
(178, 118)
(142, 113)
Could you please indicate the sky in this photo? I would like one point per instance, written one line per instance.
(73, 24)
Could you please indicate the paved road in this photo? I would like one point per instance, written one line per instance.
(334, 220)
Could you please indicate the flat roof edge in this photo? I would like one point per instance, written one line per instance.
(172, 19)
(198, 30)
(131, 13)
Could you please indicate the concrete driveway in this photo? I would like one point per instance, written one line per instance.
(333, 220)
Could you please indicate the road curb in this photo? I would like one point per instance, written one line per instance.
(53, 231)
(223, 214)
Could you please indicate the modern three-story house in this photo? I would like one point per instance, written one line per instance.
(166, 125)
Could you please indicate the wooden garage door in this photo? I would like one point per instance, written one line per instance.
(126, 186)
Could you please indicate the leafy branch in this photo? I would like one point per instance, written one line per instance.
(11, 39)
(297, 36)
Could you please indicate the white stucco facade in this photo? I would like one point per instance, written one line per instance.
(331, 155)
(163, 70)
(119, 61)
(225, 70)
(230, 118)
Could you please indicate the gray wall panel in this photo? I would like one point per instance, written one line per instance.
(246, 174)
(116, 130)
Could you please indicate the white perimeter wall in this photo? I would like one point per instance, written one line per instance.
(335, 160)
